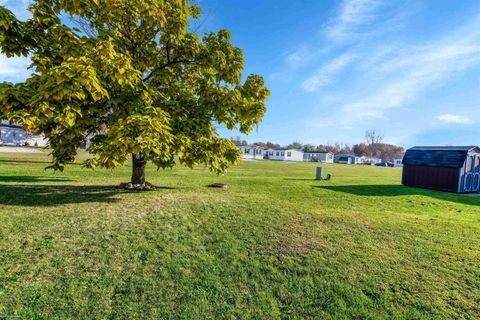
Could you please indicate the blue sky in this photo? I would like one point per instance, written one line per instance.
(410, 69)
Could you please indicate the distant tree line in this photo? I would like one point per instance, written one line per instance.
(238, 142)
(373, 147)
(266, 145)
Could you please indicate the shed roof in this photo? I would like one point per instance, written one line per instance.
(251, 146)
(346, 155)
(316, 152)
(12, 126)
(449, 157)
(287, 149)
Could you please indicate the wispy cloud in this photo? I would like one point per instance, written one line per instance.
(14, 69)
(324, 75)
(454, 118)
(295, 60)
(350, 17)
(411, 72)
(350, 21)
(319, 123)
(18, 7)
(352, 14)
(298, 57)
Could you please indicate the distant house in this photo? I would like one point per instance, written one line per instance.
(251, 152)
(267, 153)
(318, 156)
(12, 135)
(36, 141)
(346, 159)
(453, 169)
(284, 154)
(398, 163)
(368, 160)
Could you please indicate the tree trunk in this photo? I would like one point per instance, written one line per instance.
(138, 168)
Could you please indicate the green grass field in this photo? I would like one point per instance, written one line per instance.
(277, 244)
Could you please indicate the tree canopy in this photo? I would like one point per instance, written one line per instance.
(131, 78)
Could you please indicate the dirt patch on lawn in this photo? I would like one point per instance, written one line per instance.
(322, 234)
(299, 237)
(295, 246)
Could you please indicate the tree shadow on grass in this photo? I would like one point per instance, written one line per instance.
(46, 162)
(400, 190)
(31, 179)
(23, 161)
(53, 195)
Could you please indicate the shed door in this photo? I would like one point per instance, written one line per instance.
(471, 180)
(476, 173)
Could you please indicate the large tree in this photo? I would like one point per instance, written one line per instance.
(132, 78)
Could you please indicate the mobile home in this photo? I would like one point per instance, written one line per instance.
(318, 156)
(251, 152)
(12, 135)
(346, 159)
(398, 163)
(284, 154)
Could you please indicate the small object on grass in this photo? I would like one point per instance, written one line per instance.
(329, 176)
(137, 186)
(218, 185)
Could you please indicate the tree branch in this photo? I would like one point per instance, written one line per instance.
(166, 65)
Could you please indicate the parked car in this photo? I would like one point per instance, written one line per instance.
(384, 164)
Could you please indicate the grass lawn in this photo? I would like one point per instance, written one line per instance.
(277, 244)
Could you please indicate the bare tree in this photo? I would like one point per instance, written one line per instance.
(373, 139)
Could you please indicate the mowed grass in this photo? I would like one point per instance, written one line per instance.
(276, 245)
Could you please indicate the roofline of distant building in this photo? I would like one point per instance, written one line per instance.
(318, 152)
(14, 126)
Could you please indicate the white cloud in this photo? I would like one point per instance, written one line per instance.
(298, 57)
(352, 14)
(400, 79)
(454, 118)
(294, 60)
(319, 123)
(303, 55)
(18, 7)
(324, 75)
(14, 69)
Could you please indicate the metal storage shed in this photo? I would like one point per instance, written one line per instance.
(453, 169)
